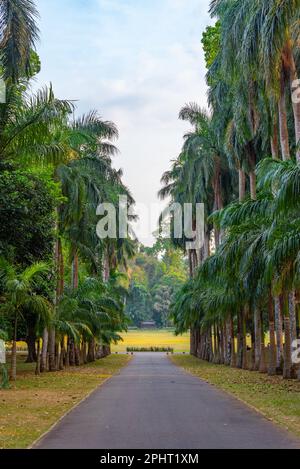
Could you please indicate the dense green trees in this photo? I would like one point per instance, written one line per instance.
(242, 301)
(156, 275)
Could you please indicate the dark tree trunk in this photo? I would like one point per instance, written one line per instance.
(31, 342)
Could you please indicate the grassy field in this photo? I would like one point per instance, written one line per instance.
(153, 338)
(34, 404)
(277, 399)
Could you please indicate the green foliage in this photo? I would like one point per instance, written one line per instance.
(211, 41)
(27, 203)
(156, 275)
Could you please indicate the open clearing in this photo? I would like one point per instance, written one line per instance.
(153, 338)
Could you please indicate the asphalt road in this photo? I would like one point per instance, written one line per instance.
(152, 404)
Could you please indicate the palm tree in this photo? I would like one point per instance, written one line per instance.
(19, 294)
(19, 34)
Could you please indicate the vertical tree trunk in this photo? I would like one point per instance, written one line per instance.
(244, 341)
(13, 369)
(283, 125)
(253, 346)
(279, 332)
(75, 280)
(240, 341)
(38, 358)
(272, 358)
(52, 343)
(31, 342)
(43, 366)
(233, 353)
(292, 307)
(62, 354)
(262, 364)
(275, 142)
(257, 326)
(295, 93)
(252, 177)
(287, 369)
(242, 185)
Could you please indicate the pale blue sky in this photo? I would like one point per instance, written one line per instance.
(137, 62)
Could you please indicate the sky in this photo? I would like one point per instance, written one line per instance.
(137, 62)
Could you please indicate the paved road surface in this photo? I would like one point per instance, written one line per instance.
(152, 404)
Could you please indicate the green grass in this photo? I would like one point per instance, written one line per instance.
(160, 338)
(275, 398)
(34, 404)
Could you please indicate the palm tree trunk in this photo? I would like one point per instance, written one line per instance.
(279, 332)
(287, 369)
(262, 364)
(244, 341)
(292, 306)
(257, 328)
(62, 354)
(275, 142)
(52, 358)
(295, 92)
(272, 358)
(43, 366)
(61, 285)
(283, 125)
(252, 177)
(242, 185)
(240, 341)
(75, 280)
(13, 369)
(38, 358)
(233, 353)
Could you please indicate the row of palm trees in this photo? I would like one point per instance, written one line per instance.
(84, 314)
(242, 300)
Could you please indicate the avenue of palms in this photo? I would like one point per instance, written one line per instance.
(71, 295)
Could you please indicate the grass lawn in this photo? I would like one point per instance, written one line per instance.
(274, 397)
(153, 338)
(34, 404)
